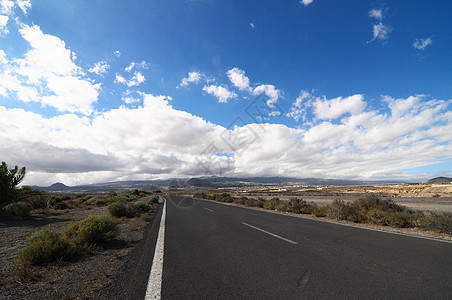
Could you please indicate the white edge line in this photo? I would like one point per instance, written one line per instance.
(362, 226)
(154, 287)
(208, 209)
(269, 233)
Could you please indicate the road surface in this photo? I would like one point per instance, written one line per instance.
(217, 251)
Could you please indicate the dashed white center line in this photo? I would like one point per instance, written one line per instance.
(208, 209)
(269, 233)
(154, 288)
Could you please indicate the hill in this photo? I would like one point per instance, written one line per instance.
(439, 180)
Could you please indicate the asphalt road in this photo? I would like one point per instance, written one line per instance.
(217, 251)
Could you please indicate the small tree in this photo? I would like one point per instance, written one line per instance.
(9, 179)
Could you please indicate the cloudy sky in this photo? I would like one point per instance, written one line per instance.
(95, 91)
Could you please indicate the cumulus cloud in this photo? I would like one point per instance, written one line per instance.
(421, 44)
(48, 74)
(238, 78)
(136, 80)
(221, 92)
(325, 109)
(306, 2)
(100, 68)
(193, 77)
(361, 144)
(270, 91)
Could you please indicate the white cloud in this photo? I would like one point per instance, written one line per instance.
(306, 2)
(238, 78)
(3, 25)
(252, 25)
(380, 31)
(325, 109)
(136, 80)
(48, 74)
(376, 13)
(270, 91)
(221, 92)
(100, 68)
(362, 145)
(6, 7)
(3, 59)
(117, 53)
(193, 77)
(421, 44)
(24, 5)
(299, 107)
(142, 65)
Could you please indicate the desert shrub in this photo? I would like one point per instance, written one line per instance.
(240, 200)
(141, 207)
(401, 219)
(46, 246)
(436, 221)
(118, 209)
(154, 207)
(378, 216)
(337, 210)
(395, 219)
(18, 209)
(370, 202)
(320, 211)
(251, 202)
(224, 197)
(91, 230)
(296, 205)
(154, 199)
(271, 204)
(201, 195)
(61, 205)
(282, 206)
(356, 213)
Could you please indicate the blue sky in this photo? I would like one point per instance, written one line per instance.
(95, 91)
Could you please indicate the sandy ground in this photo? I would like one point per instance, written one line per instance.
(83, 277)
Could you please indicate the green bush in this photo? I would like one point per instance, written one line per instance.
(141, 207)
(296, 205)
(154, 199)
(394, 219)
(93, 229)
(320, 211)
(251, 202)
(18, 209)
(436, 221)
(271, 204)
(118, 209)
(337, 210)
(46, 246)
(240, 200)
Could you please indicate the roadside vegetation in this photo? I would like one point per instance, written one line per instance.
(368, 210)
(76, 239)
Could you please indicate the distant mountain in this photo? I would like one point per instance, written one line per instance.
(205, 182)
(439, 180)
(199, 182)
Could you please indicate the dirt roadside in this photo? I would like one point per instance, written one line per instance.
(93, 276)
